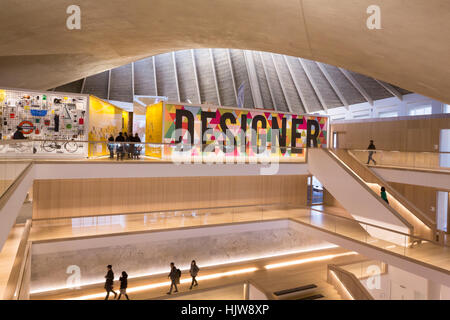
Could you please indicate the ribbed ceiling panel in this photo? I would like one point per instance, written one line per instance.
(241, 76)
(262, 81)
(346, 88)
(288, 84)
(186, 76)
(224, 78)
(144, 79)
(310, 99)
(274, 83)
(97, 85)
(206, 76)
(401, 90)
(121, 84)
(165, 76)
(73, 87)
(325, 89)
(373, 88)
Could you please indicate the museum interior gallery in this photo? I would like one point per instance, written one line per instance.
(225, 150)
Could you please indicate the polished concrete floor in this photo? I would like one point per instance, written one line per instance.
(268, 280)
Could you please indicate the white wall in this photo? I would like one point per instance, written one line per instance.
(89, 170)
(414, 177)
(398, 282)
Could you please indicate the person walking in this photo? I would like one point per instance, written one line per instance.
(109, 283)
(194, 272)
(384, 194)
(120, 146)
(371, 147)
(123, 285)
(174, 275)
(111, 146)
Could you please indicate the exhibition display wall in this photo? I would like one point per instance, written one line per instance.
(240, 134)
(105, 119)
(43, 116)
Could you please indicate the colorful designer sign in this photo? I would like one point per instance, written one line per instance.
(241, 132)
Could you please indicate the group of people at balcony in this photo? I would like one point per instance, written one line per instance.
(174, 275)
(121, 147)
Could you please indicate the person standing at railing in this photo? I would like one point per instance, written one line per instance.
(371, 147)
(120, 146)
(18, 135)
(126, 145)
(111, 146)
(131, 147)
(109, 282)
(137, 148)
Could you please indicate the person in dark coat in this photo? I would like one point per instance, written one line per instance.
(109, 283)
(111, 146)
(174, 277)
(137, 148)
(123, 285)
(371, 147)
(194, 272)
(18, 135)
(384, 194)
(120, 146)
(127, 146)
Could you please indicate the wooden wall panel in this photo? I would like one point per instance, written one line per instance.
(422, 197)
(396, 135)
(329, 200)
(88, 197)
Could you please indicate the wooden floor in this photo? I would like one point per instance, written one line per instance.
(8, 255)
(268, 280)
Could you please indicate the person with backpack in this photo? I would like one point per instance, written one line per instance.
(109, 282)
(174, 275)
(123, 285)
(194, 272)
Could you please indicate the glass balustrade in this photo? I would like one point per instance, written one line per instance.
(416, 160)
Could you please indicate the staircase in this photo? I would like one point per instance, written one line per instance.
(423, 226)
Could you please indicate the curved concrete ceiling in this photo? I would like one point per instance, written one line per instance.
(410, 51)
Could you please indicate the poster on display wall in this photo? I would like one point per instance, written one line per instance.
(105, 120)
(207, 129)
